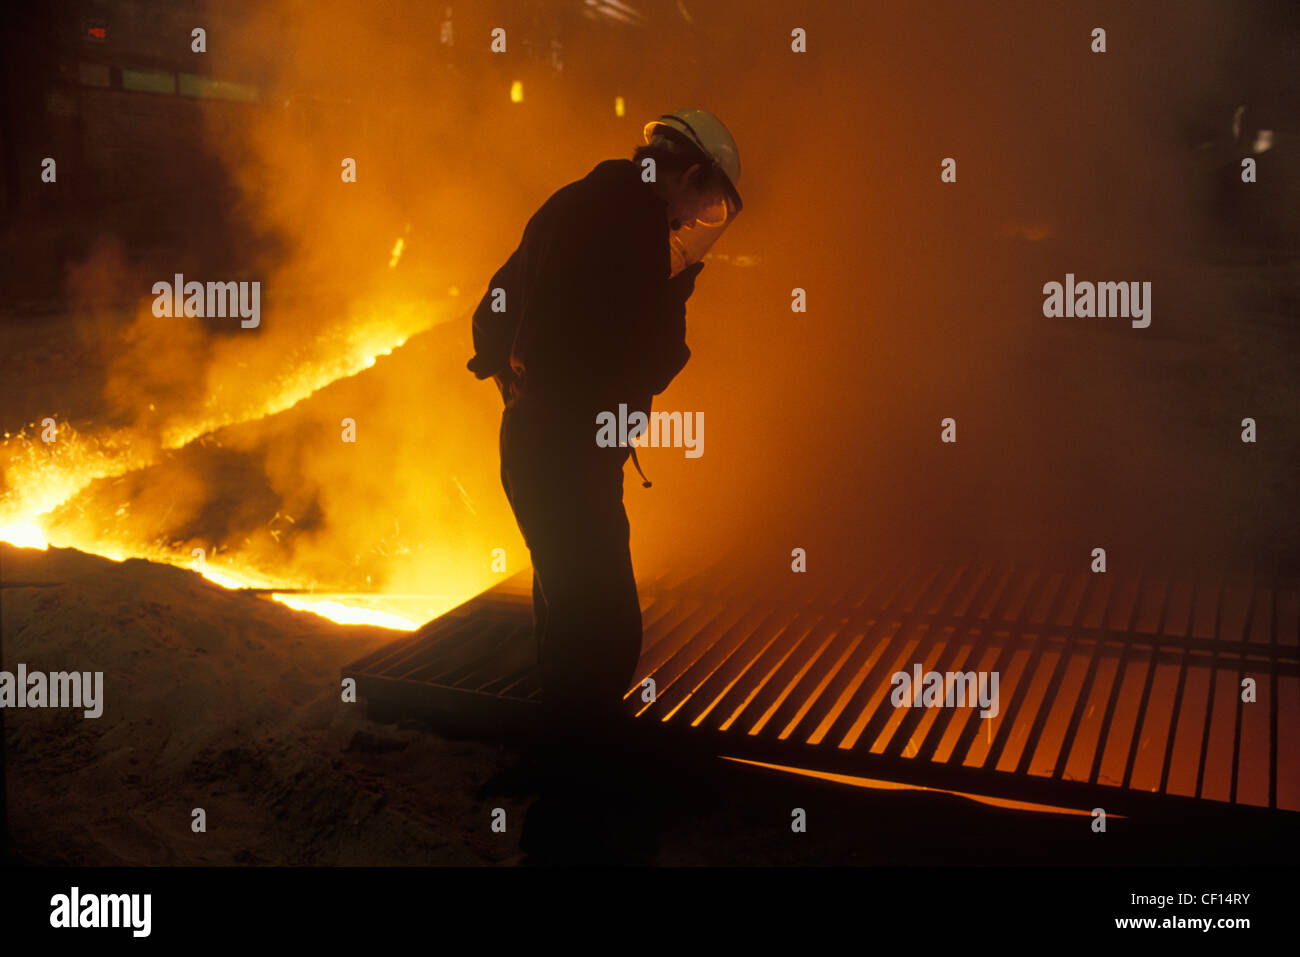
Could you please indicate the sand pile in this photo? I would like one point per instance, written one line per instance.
(227, 702)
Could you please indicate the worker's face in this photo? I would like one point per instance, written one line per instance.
(692, 205)
(703, 215)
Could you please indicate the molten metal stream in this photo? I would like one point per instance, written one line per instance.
(42, 476)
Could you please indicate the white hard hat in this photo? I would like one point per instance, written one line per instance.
(708, 133)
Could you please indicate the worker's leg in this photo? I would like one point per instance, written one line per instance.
(591, 640)
(517, 470)
(569, 508)
(539, 613)
(596, 792)
(567, 497)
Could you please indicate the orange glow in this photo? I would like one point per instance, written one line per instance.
(346, 614)
(41, 477)
(177, 433)
(895, 786)
(24, 535)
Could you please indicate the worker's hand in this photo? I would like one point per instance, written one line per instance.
(683, 284)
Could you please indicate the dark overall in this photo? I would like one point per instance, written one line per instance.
(567, 496)
(592, 321)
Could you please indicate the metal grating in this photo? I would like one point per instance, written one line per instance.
(1114, 691)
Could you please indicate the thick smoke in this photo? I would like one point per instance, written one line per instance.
(822, 428)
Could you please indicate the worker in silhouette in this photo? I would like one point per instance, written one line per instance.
(588, 313)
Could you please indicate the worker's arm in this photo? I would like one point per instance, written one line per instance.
(650, 308)
(494, 332)
(669, 353)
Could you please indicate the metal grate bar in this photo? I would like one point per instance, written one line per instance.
(1209, 704)
(878, 678)
(669, 659)
(1008, 719)
(912, 718)
(731, 665)
(452, 669)
(423, 661)
(753, 671)
(1063, 660)
(663, 628)
(515, 656)
(707, 657)
(1117, 682)
(1148, 685)
(826, 702)
(848, 715)
(419, 646)
(683, 631)
(779, 664)
(962, 749)
(799, 671)
(1184, 661)
(822, 669)
(1272, 701)
(691, 663)
(1080, 701)
(1035, 583)
(1236, 723)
